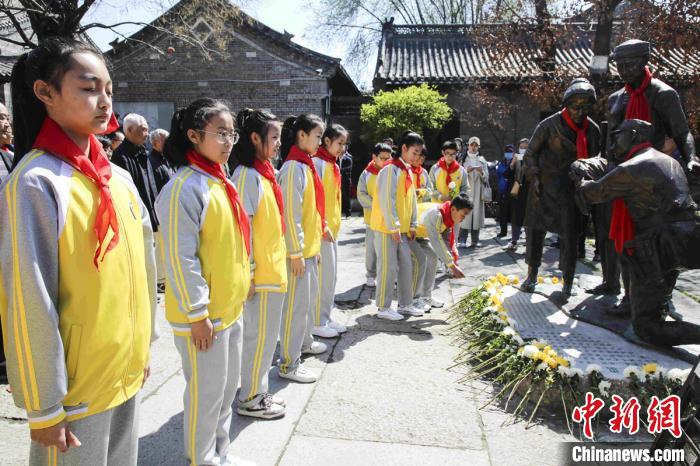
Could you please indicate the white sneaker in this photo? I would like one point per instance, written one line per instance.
(410, 311)
(371, 282)
(278, 400)
(340, 328)
(301, 374)
(389, 314)
(316, 348)
(421, 304)
(435, 303)
(262, 407)
(324, 331)
(230, 460)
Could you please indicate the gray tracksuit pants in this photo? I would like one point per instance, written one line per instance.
(298, 312)
(108, 438)
(370, 253)
(394, 264)
(327, 279)
(212, 381)
(425, 267)
(261, 328)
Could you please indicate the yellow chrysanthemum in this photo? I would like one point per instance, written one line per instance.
(551, 362)
(503, 317)
(538, 355)
(539, 345)
(649, 368)
(555, 280)
(515, 280)
(495, 299)
(562, 361)
(540, 280)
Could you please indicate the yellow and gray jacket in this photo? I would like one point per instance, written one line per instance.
(206, 262)
(441, 191)
(431, 227)
(365, 193)
(268, 251)
(331, 195)
(303, 234)
(77, 338)
(394, 209)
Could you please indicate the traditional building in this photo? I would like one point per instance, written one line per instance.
(461, 60)
(257, 67)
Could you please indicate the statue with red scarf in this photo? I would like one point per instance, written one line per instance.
(647, 98)
(657, 228)
(558, 141)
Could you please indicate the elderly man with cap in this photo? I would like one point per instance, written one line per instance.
(658, 222)
(645, 98)
(558, 141)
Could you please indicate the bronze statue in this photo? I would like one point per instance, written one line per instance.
(646, 98)
(657, 224)
(558, 140)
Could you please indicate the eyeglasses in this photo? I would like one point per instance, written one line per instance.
(223, 136)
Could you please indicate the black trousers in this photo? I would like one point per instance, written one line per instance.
(567, 251)
(649, 289)
(609, 258)
(504, 211)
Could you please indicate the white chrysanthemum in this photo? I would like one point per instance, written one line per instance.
(509, 331)
(451, 186)
(604, 386)
(485, 294)
(631, 371)
(512, 322)
(542, 367)
(496, 319)
(511, 278)
(530, 350)
(660, 371)
(594, 368)
(518, 340)
(576, 371)
(564, 371)
(540, 342)
(686, 373)
(675, 374)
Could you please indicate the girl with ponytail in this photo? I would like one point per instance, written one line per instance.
(77, 264)
(262, 198)
(206, 230)
(335, 140)
(305, 222)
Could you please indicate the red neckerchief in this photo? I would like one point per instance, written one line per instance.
(300, 156)
(417, 171)
(397, 162)
(372, 168)
(96, 167)
(453, 167)
(217, 171)
(581, 139)
(638, 105)
(268, 172)
(621, 225)
(112, 125)
(326, 156)
(445, 211)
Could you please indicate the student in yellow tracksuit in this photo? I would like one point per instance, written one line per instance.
(394, 211)
(78, 292)
(206, 233)
(263, 201)
(334, 145)
(305, 222)
(381, 154)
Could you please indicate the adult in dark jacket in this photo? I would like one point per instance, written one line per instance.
(558, 141)
(660, 233)
(504, 175)
(132, 156)
(161, 167)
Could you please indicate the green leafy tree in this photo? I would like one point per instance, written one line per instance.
(418, 108)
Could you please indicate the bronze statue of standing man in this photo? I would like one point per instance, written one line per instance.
(558, 141)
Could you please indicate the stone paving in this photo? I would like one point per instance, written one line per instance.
(386, 394)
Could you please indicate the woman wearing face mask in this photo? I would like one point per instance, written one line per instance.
(478, 173)
(518, 194)
(505, 184)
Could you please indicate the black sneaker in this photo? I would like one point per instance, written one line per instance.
(161, 287)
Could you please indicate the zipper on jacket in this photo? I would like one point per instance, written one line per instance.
(131, 304)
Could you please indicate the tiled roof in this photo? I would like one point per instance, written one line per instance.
(443, 54)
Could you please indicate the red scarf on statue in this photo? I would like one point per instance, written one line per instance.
(96, 167)
(300, 156)
(449, 169)
(621, 225)
(417, 171)
(217, 171)
(638, 105)
(397, 162)
(268, 172)
(326, 156)
(372, 168)
(581, 139)
(449, 223)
